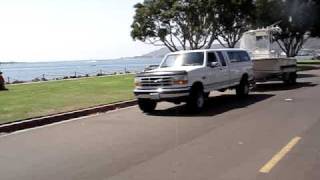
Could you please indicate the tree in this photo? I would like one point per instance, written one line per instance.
(186, 24)
(267, 12)
(192, 24)
(234, 17)
(315, 30)
(296, 19)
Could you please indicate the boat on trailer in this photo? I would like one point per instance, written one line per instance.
(268, 61)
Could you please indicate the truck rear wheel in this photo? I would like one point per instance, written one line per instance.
(243, 88)
(147, 105)
(196, 100)
(290, 78)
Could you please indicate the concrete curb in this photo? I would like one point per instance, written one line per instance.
(41, 121)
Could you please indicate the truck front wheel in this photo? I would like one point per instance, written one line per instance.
(196, 100)
(243, 88)
(147, 105)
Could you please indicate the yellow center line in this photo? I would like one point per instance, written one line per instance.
(280, 155)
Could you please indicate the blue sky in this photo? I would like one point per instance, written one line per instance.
(46, 30)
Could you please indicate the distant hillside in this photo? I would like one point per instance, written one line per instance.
(158, 53)
(163, 51)
(313, 43)
(9, 62)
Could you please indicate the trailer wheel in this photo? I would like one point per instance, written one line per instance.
(290, 78)
(147, 105)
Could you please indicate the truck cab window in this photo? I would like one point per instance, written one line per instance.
(222, 60)
(244, 56)
(234, 57)
(211, 58)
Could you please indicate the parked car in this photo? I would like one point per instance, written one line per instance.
(189, 76)
(316, 55)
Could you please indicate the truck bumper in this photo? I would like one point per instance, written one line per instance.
(162, 93)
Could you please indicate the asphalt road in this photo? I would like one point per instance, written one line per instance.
(232, 139)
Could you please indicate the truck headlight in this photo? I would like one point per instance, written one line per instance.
(137, 82)
(180, 80)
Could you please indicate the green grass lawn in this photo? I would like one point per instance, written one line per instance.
(305, 65)
(302, 67)
(309, 62)
(38, 99)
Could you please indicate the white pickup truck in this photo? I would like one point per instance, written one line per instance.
(189, 76)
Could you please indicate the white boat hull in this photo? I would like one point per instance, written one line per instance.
(266, 67)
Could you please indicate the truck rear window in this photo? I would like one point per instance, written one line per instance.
(238, 56)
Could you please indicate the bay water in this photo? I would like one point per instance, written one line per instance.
(28, 71)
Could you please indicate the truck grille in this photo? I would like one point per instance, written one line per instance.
(156, 81)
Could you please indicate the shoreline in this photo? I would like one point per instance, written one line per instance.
(26, 72)
(69, 79)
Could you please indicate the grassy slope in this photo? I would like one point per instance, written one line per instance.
(31, 100)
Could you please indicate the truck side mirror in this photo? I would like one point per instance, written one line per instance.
(214, 64)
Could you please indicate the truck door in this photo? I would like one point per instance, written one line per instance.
(234, 67)
(224, 69)
(218, 75)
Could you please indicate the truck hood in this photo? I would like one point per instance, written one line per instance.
(168, 71)
(181, 68)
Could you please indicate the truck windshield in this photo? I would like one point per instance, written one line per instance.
(186, 59)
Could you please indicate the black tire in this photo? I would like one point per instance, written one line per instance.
(196, 100)
(147, 105)
(243, 89)
(290, 78)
